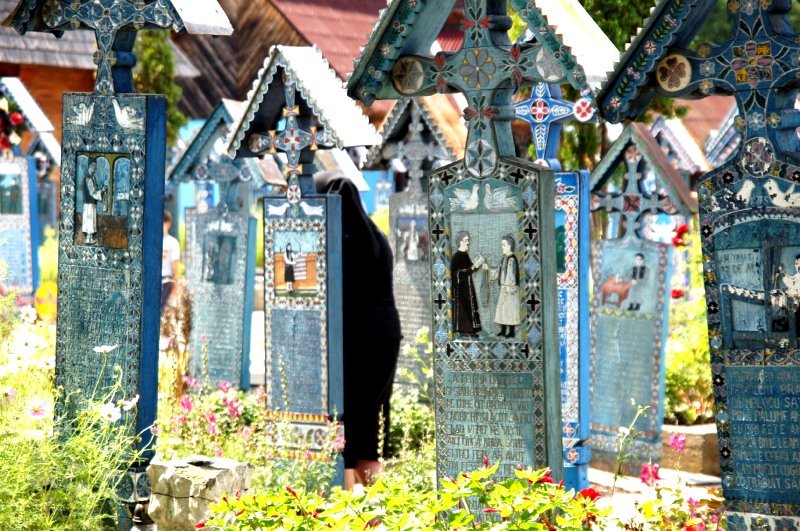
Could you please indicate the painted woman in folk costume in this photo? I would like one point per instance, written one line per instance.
(466, 319)
(507, 314)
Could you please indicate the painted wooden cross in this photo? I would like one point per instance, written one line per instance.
(632, 202)
(115, 23)
(414, 151)
(487, 75)
(298, 140)
(546, 113)
(490, 215)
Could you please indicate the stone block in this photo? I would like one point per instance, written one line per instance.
(183, 490)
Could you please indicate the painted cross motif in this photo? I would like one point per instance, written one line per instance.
(633, 202)
(546, 112)
(298, 140)
(112, 22)
(413, 151)
(486, 74)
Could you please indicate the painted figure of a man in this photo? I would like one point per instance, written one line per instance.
(466, 319)
(637, 291)
(94, 193)
(507, 314)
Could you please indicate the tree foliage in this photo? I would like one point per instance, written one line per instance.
(155, 74)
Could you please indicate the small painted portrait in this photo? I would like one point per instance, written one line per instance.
(412, 238)
(219, 252)
(296, 259)
(466, 317)
(626, 282)
(10, 193)
(102, 200)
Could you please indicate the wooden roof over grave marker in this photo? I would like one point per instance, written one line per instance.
(319, 87)
(666, 175)
(439, 114)
(211, 142)
(629, 91)
(684, 151)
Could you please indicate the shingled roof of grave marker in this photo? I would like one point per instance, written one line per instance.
(724, 143)
(35, 118)
(687, 154)
(630, 88)
(343, 121)
(667, 177)
(211, 142)
(410, 28)
(439, 114)
(57, 16)
(70, 50)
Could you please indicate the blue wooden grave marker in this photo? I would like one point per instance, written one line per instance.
(630, 304)
(19, 241)
(112, 183)
(221, 252)
(296, 106)
(421, 147)
(750, 229)
(491, 216)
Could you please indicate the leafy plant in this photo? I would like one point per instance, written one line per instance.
(531, 500)
(58, 472)
(689, 391)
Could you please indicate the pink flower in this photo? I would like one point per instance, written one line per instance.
(678, 441)
(8, 395)
(186, 403)
(338, 444)
(191, 382)
(38, 408)
(217, 450)
(235, 409)
(246, 432)
(649, 474)
(156, 430)
(224, 386)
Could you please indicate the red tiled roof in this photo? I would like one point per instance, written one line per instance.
(705, 115)
(339, 28)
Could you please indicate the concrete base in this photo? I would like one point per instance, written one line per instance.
(701, 455)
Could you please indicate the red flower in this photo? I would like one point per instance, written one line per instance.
(679, 239)
(678, 293)
(485, 462)
(589, 493)
(649, 474)
(491, 510)
(200, 525)
(5, 143)
(16, 118)
(547, 478)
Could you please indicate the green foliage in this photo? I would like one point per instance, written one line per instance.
(155, 74)
(689, 391)
(411, 409)
(229, 423)
(57, 473)
(528, 501)
(48, 256)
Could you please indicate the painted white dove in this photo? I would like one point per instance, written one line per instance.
(464, 199)
(498, 198)
(126, 117)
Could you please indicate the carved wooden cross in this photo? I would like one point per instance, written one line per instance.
(633, 202)
(115, 23)
(487, 70)
(414, 151)
(545, 111)
(298, 139)
(758, 67)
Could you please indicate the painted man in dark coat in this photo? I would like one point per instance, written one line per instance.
(466, 319)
